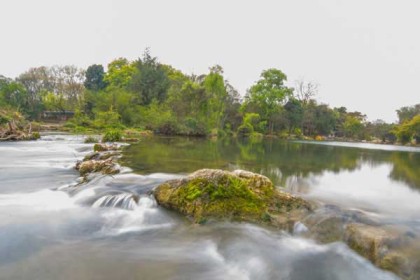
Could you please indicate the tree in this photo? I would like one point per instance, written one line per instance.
(305, 91)
(269, 94)
(217, 96)
(294, 114)
(150, 81)
(381, 130)
(407, 113)
(120, 73)
(353, 127)
(95, 78)
(14, 94)
(409, 130)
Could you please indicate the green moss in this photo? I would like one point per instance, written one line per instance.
(227, 197)
(222, 195)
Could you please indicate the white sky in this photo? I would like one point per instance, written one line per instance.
(365, 54)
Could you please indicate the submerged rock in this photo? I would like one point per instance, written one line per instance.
(210, 194)
(390, 248)
(102, 160)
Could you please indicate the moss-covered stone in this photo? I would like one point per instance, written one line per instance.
(98, 147)
(104, 166)
(210, 194)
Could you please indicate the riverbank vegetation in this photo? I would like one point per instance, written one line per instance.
(145, 94)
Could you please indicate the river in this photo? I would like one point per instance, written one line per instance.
(50, 229)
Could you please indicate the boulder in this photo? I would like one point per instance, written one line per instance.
(211, 194)
(107, 167)
(390, 248)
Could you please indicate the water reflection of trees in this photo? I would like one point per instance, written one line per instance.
(406, 168)
(278, 160)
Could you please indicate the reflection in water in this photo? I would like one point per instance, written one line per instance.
(383, 181)
(278, 160)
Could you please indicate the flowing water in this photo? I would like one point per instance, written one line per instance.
(111, 228)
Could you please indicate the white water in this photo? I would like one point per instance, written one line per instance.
(111, 228)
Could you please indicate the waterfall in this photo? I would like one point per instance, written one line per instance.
(126, 201)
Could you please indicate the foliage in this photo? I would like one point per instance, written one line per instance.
(108, 119)
(268, 94)
(120, 73)
(409, 130)
(91, 139)
(407, 113)
(95, 78)
(150, 82)
(245, 129)
(112, 135)
(352, 127)
(294, 114)
(146, 94)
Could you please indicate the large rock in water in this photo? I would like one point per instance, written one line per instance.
(210, 194)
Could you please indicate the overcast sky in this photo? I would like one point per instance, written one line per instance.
(365, 54)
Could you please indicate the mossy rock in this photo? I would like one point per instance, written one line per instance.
(107, 167)
(210, 194)
(98, 147)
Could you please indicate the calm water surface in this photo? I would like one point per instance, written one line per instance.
(50, 229)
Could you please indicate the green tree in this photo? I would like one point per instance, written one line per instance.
(409, 130)
(217, 97)
(14, 94)
(95, 77)
(120, 72)
(294, 114)
(353, 127)
(407, 113)
(54, 102)
(269, 94)
(150, 81)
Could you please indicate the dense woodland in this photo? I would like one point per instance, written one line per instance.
(147, 94)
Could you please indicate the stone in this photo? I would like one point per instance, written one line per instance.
(212, 194)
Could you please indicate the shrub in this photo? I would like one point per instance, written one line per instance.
(112, 136)
(91, 139)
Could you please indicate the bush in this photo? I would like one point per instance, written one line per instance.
(91, 139)
(112, 136)
(245, 130)
(108, 119)
(36, 135)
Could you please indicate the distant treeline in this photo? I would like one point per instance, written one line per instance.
(147, 94)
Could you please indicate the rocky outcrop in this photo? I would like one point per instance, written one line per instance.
(217, 195)
(210, 194)
(102, 160)
(390, 248)
(394, 248)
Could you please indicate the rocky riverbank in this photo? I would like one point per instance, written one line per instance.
(215, 195)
